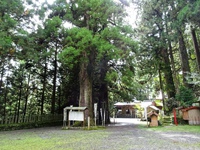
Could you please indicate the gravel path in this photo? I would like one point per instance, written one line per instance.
(125, 134)
(131, 137)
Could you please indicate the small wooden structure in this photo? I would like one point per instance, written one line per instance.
(152, 108)
(158, 103)
(153, 119)
(73, 114)
(125, 110)
(192, 114)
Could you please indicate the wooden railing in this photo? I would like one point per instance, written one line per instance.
(30, 118)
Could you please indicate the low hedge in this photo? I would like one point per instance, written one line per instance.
(28, 125)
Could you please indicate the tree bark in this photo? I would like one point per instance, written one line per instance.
(161, 88)
(26, 97)
(5, 98)
(86, 76)
(183, 57)
(172, 62)
(1, 80)
(166, 68)
(165, 65)
(43, 88)
(196, 48)
(174, 74)
(85, 98)
(101, 92)
(19, 100)
(53, 99)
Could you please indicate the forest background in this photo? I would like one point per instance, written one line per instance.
(81, 52)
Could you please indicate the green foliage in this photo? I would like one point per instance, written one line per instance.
(185, 96)
(170, 104)
(78, 42)
(194, 79)
(10, 14)
(184, 13)
(51, 27)
(20, 126)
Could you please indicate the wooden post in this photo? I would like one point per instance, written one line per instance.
(84, 119)
(145, 113)
(114, 117)
(175, 119)
(68, 120)
(88, 122)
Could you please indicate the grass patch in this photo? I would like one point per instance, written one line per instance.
(179, 128)
(96, 128)
(84, 128)
(52, 139)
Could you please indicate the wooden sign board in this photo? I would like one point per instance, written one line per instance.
(76, 115)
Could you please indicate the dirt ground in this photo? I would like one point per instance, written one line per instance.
(122, 134)
(141, 139)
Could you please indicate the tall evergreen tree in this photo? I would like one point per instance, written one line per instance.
(95, 38)
(153, 23)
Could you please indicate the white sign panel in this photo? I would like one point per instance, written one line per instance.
(95, 109)
(76, 115)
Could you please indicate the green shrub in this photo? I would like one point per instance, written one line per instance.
(78, 124)
(185, 96)
(28, 125)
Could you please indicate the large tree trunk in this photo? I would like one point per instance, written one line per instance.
(183, 57)
(53, 99)
(196, 48)
(2, 69)
(161, 88)
(26, 97)
(172, 62)
(166, 68)
(101, 91)
(5, 98)
(103, 100)
(43, 87)
(19, 100)
(86, 77)
(85, 98)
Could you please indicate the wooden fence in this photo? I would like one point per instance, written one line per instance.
(30, 118)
